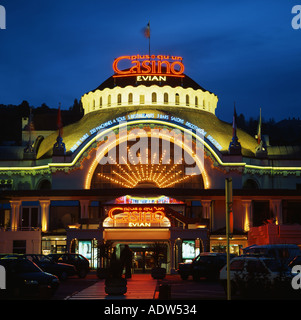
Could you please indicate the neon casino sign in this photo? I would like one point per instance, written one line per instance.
(137, 216)
(149, 68)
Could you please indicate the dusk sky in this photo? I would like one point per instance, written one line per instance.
(243, 51)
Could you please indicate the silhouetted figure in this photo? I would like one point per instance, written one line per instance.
(113, 257)
(126, 257)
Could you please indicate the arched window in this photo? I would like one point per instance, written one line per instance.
(109, 100)
(187, 100)
(154, 97)
(119, 99)
(196, 101)
(177, 99)
(100, 102)
(204, 105)
(165, 98)
(130, 98)
(93, 104)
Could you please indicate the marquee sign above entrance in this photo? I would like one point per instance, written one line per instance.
(136, 216)
(149, 68)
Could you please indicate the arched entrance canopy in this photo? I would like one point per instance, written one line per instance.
(191, 135)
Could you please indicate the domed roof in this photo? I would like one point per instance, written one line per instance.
(122, 82)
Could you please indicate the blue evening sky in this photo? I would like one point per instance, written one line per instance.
(243, 51)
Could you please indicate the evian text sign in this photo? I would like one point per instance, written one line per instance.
(149, 68)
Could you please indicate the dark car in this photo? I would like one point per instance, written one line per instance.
(80, 263)
(295, 262)
(208, 265)
(61, 270)
(24, 279)
(205, 265)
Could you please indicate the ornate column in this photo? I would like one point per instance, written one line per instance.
(275, 206)
(247, 220)
(206, 208)
(84, 209)
(45, 204)
(14, 214)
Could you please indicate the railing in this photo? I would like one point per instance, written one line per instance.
(20, 229)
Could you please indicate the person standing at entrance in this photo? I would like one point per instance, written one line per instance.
(126, 257)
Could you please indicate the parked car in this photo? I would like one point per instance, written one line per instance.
(256, 275)
(282, 252)
(61, 270)
(24, 279)
(205, 265)
(80, 263)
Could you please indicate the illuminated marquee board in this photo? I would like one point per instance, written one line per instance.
(155, 116)
(137, 216)
(149, 68)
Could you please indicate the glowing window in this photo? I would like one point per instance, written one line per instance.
(165, 97)
(154, 97)
(177, 99)
(109, 100)
(119, 99)
(196, 101)
(100, 102)
(130, 98)
(187, 100)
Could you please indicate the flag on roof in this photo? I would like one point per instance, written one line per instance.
(146, 31)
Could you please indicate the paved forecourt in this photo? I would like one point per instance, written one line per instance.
(140, 286)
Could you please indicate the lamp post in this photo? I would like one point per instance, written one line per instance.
(228, 189)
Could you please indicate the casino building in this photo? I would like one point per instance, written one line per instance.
(147, 163)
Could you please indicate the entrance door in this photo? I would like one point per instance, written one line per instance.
(143, 260)
(143, 257)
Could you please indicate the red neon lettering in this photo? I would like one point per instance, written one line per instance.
(137, 215)
(136, 67)
(167, 64)
(115, 65)
(144, 65)
(173, 70)
(112, 212)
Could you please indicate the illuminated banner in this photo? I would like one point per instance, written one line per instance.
(149, 68)
(137, 216)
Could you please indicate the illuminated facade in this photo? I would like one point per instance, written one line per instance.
(147, 163)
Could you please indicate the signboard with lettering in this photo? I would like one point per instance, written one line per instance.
(136, 217)
(149, 68)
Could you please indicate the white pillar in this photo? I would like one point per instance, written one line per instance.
(275, 206)
(15, 212)
(247, 220)
(45, 204)
(206, 208)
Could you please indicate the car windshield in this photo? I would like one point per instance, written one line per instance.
(27, 266)
(45, 259)
(21, 266)
(275, 265)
